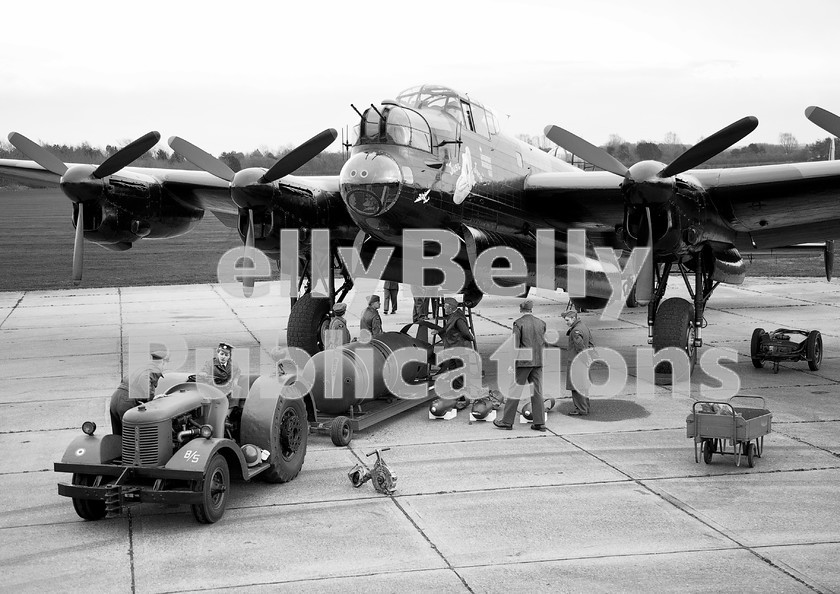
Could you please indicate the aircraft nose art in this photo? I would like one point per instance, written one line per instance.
(371, 183)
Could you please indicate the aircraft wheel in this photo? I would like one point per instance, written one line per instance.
(341, 431)
(814, 350)
(289, 434)
(214, 492)
(307, 322)
(88, 509)
(707, 451)
(755, 346)
(674, 327)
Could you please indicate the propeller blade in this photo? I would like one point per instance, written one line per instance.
(126, 155)
(200, 158)
(79, 245)
(644, 282)
(585, 150)
(37, 153)
(300, 156)
(248, 281)
(824, 119)
(710, 146)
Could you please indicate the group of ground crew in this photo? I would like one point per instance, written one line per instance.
(528, 332)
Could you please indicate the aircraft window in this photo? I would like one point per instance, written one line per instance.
(519, 160)
(421, 136)
(370, 125)
(492, 123)
(397, 128)
(480, 121)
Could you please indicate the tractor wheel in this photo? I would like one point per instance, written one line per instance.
(341, 431)
(674, 327)
(214, 492)
(755, 346)
(88, 509)
(289, 434)
(308, 320)
(814, 350)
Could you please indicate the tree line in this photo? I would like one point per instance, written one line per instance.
(329, 163)
(787, 151)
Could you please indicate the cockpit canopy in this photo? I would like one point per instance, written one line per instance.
(467, 112)
(444, 112)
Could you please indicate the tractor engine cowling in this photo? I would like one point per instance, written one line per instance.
(150, 430)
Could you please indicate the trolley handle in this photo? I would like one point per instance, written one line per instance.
(763, 403)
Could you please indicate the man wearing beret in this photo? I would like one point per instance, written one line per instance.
(371, 323)
(138, 387)
(528, 333)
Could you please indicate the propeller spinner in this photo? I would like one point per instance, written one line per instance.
(648, 182)
(76, 180)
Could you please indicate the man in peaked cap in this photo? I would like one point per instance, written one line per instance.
(580, 339)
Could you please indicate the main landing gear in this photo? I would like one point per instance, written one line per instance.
(677, 322)
(310, 315)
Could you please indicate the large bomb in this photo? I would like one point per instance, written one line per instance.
(356, 372)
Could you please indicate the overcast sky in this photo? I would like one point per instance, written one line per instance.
(246, 75)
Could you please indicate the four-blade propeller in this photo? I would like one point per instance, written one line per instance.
(82, 174)
(648, 182)
(250, 189)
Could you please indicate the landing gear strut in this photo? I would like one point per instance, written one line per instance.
(310, 314)
(677, 322)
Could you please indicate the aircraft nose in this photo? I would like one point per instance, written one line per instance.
(371, 183)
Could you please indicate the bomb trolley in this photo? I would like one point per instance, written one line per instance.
(357, 368)
(717, 426)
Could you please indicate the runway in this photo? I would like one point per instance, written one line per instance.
(611, 502)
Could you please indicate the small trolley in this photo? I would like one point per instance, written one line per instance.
(724, 425)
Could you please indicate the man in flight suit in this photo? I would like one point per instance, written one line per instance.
(528, 333)
(392, 288)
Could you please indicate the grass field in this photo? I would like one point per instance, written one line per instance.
(36, 243)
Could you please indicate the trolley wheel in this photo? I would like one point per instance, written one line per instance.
(341, 431)
(750, 455)
(814, 349)
(755, 346)
(708, 450)
(713, 443)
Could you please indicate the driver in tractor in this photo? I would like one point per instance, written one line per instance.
(222, 372)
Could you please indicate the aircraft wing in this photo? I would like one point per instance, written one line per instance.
(27, 173)
(766, 206)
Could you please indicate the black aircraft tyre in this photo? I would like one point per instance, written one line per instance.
(814, 350)
(88, 509)
(307, 322)
(289, 434)
(214, 491)
(755, 346)
(674, 327)
(341, 431)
